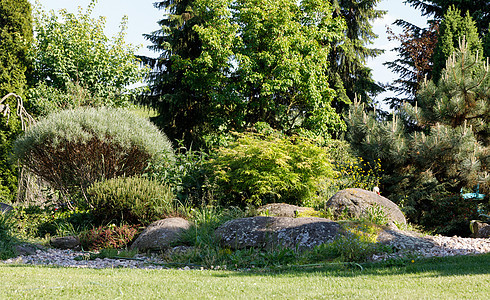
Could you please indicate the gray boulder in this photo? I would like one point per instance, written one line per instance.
(268, 232)
(283, 210)
(404, 240)
(27, 249)
(484, 232)
(66, 242)
(475, 227)
(356, 203)
(161, 234)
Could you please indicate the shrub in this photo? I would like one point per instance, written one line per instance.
(72, 149)
(130, 199)
(263, 168)
(33, 221)
(108, 237)
(187, 177)
(7, 240)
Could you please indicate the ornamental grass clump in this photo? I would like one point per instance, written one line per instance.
(357, 242)
(72, 149)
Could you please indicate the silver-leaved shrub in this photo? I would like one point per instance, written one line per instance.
(72, 149)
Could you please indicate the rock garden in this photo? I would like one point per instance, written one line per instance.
(358, 225)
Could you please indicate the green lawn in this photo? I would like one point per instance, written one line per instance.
(448, 278)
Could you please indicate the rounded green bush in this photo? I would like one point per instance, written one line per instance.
(72, 149)
(134, 200)
(259, 169)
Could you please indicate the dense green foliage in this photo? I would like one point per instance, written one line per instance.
(76, 64)
(452, 30)
(432, 151)
(348, 73)
(36, 222)
(261, 168)
(7, 239)
(133, 200)
(229, 64)
(477, 9)
(75, 148)
(15, 39)
(417, 54)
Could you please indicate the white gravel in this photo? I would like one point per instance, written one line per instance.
(66, 258)
(440, 246)
(444, 246)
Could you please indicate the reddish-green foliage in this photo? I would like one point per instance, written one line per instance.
(108, 237)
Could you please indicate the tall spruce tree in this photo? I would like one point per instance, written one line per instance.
(414, 63)
(15, 40)
(180, 110)
(348, 72)
(477, 9)
(425, 169)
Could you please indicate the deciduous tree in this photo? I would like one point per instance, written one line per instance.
(72, 55)
(229, 64)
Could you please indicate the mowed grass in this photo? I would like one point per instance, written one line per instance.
(447, 278)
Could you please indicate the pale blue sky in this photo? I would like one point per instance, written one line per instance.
(142, 18)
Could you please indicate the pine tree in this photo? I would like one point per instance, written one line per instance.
(433, 150)
(15, 40)
(435, 10)
(477, 9)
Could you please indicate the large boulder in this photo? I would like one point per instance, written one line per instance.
(66, 242)
(484, 232)
(284, 210)
(268, 232)
(161, 234)
(475, 227)
(357, 202)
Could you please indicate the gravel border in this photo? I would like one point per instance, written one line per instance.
(406, 244)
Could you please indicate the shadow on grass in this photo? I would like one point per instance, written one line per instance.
(427, 267)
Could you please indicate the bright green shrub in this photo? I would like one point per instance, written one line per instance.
(33, 221)
(7, 239)
(259, 168)
(130, 199)
(72, 149)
